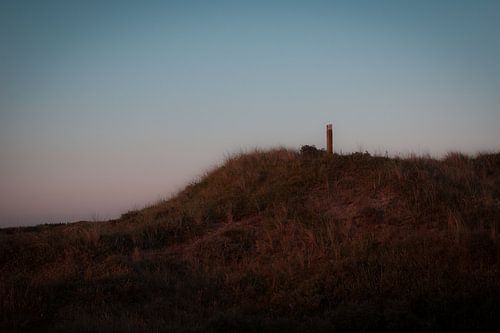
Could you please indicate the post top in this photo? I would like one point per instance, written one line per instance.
(328, 126)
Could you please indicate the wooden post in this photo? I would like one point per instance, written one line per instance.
(329, 138)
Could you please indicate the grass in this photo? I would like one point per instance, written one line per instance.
(275, 241)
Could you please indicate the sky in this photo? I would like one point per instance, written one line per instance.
(108, 106)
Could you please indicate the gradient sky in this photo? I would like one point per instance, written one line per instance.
(107, 106)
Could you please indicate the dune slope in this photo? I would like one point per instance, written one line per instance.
(275, 241)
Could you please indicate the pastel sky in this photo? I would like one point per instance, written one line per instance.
(107, 106)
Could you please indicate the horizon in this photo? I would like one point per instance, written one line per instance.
(95, 217)
(106, 108)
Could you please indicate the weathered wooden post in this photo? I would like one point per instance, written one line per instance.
(329, 138)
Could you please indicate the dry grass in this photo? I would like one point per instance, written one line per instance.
(275, 240)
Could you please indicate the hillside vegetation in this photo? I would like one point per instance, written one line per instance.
(275, 241)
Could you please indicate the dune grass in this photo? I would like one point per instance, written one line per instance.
(275, 240)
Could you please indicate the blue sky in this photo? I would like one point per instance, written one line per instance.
(107, 106)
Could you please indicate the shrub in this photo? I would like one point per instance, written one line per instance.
(311, 151)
